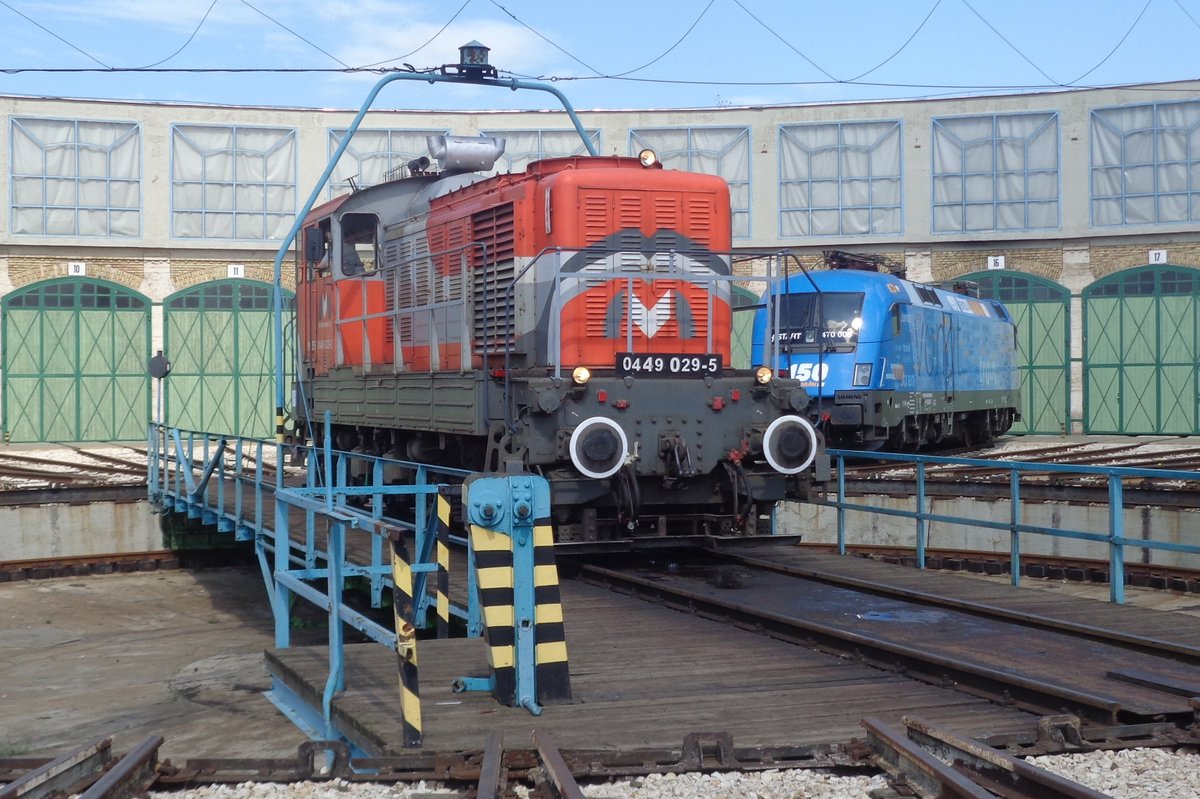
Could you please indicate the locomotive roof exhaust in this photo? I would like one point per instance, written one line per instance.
(465, 153)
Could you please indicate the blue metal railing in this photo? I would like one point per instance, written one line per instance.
(206, 476)
(1113, 538)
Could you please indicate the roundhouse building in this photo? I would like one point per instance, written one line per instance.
(132, 228)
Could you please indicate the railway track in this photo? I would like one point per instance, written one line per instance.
(920, 760)
(1164, 577)
(90, 771)
(962, 646)
(864, 476)
(79, 565)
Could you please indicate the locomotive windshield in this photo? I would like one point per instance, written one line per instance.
(831, 320)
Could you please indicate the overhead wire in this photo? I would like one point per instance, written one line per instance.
(786, 43)
(902, 47)
(1117, 46)
(678, 42)
(377, 67)
(1014, 48)
(316, 47)
(32, 21)
(1187, 13)
(428, 41)
(546, 39)
(189, 39)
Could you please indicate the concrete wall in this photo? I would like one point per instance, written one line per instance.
(55, 531)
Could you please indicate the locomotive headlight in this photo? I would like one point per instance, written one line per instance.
(862, 374)
(790, 444)
(598, 448)
(648, 157)
(763, 375)
(581, 375)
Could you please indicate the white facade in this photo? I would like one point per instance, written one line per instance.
(1070, 186)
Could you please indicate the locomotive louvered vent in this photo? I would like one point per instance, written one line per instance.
(493, 270)
(700, 218)
(403, 259)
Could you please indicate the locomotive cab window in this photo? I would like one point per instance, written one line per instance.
(358, 254)
(832, 321)
(316, 249)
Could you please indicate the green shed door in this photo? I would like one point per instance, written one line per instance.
(219, 338)
(745, 303)
(1139, 352)
(75, 353)
(1042, 312)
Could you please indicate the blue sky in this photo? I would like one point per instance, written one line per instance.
(607, 54)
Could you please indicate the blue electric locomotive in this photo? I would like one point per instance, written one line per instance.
(895, 365)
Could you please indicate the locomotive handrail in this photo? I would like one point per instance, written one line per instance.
(1114, 538)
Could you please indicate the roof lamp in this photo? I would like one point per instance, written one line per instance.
(472, 62)
(648, 157)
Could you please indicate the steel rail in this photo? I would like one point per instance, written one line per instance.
(998, 772)
(916, 769)
(554, 770)
(62, 776)
(131, 776)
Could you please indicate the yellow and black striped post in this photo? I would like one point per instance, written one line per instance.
(494, 576)
(443, 562)
(552, 674)
(406, 641)
(517, 577)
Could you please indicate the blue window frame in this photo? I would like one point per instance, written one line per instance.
(231, 182)
(840, 179)
(723, 151)
(75, 177)
(522, 147)
(375, 155)
(1145, 164)
(995, 172)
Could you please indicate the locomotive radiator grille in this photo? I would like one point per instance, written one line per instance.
(493, 271)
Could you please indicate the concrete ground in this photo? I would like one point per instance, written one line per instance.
(171, 653)
(179, 654)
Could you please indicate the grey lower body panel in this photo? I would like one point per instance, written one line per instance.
(441, 402)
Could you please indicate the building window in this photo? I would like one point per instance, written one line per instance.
(995, 172)
(232, 182)
(715, 151)
(1146, 164)
(74, 177)
(522, 147)
(375, 156)
(840, 179)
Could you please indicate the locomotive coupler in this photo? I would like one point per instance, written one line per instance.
(674, 452)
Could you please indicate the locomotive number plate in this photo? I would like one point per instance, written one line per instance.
(657, 364)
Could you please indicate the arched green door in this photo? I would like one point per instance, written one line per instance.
(75, 354)
(219, 338)
(1042, 311)
(1139, 352)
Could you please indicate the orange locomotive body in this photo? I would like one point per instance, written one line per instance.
(573, 319)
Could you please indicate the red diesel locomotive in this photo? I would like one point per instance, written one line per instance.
(571, 320)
